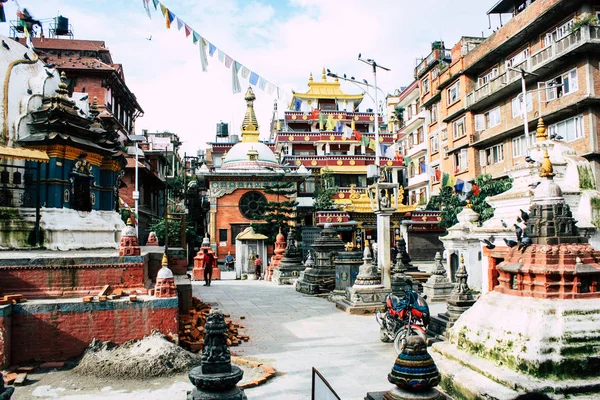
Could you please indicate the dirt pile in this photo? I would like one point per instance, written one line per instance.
(154, 356)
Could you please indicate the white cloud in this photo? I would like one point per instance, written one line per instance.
(282, 41)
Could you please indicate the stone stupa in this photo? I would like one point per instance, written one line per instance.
(289, 268)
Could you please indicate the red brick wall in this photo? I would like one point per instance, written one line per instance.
(54, 281)
(5, 336)
(61, 331)
(93, 86)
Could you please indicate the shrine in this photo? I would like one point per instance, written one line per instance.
(290, 267)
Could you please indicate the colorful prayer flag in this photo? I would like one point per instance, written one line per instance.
(338, 128)
(195, 37)
(146, 7)
(254, 78)
(156, 2)
(391, 151)
(245, 72)
(262, 83)
(476, 190)
(330, 123)
(372, 144)
(445, 177)
(203, 58)
(220, 55)
(467, 187)
(228, 61)
(438, 174)
(168, 19)
(423, 167)
(163, 9)
(364, 140)
(235, 82)
(459, 185)
(211, 49)
(451, 181)
(357, 134)
(314, 114)
(270, 88)
(347, 132)
(179, 24)
(188, 31)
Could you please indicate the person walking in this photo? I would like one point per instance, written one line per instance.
(257, 267)
(229, 260)
(209, 263)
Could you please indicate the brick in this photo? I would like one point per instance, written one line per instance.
(133, 297)
(101, 298)
(10, 378)
(105, 290)
(87, 299)
(20, 379)
(26, 369)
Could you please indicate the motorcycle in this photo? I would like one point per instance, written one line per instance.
(403, 316)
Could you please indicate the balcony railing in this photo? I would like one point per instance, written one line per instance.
(435, 55)
(585, 34)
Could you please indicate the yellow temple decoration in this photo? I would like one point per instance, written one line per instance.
(541, 134)
(249, 129)
(325, 89)
(358, 202)
(547, 170)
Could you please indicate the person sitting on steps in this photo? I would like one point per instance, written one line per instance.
(229, 260)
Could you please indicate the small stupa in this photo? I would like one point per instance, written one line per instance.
(198, 271)
(277, 257)
(129, 244)
(152, 239)
(165, 281)
(290, 266)
(437, 287)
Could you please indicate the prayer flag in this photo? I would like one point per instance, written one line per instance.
(390, 152)
(347, 132)
(352, 125)
(270, 88)
(407, 161)
(423, 167)
(228, 61)
(297, 104)
(163, 9)
(245, 72)
(211, 49)
(235, 82)
(467, 187)
(220, 55)
(254, 78)
(451, 180)
(188, 31)
(314, 114)
(438, 174)
(459, 185)
(156, 2)
(399, 157)
(330, 123)
(372, 144)
(357, 134)
(146, 7)
(195, 37)
(476, 190)
(338, 128)
(203, 58)
(179, 24)
(445, 179)
(168, 19)
(262, 83)
(364, 140)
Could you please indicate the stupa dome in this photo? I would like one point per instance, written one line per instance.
(164, 273)
(250, 155)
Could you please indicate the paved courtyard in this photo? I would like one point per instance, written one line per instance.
(288, 330)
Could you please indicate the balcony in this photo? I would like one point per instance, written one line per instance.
(536, 63)
(432, 59)
(346, 116)
(350, 163)
(415, 120)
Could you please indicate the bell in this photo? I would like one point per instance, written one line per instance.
(17, 178)
(4, 177)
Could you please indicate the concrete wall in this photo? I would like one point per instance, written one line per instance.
(51, 330)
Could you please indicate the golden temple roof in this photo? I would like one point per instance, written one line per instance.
(327, 90)
(250, 130)
(21, 153)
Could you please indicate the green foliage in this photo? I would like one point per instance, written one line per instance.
(399, 113)
(277, 214)
(450, 205)
(584, 20)
(125, 213)
(174, 226)
(176, 187)
(586, 178)
(325, 190)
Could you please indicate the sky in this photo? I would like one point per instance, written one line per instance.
(282, 40)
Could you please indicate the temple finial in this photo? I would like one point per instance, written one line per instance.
(250, 124)
(310, 77)
(541, 131)
(547, 170)
(62, 86)
(324, 76)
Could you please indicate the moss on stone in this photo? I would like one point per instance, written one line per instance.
(586, 178)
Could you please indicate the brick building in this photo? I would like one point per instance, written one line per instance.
(474, 102)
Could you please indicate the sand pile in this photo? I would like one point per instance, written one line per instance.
(154, 356)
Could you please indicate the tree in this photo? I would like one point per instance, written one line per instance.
(450, 204)
(324, 192)
(277, 214)
(158, 226)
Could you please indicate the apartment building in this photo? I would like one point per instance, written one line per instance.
(479, 95)
(409, 123)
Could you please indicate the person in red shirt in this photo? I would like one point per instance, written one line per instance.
(257, 267)
(209, 263)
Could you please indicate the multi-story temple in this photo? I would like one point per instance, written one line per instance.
(325, 131)
(68, 201)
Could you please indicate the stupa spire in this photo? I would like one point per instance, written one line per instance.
(541, 134)
(547, 170)
(250, 130)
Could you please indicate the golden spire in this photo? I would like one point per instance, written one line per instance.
(541, 131)
(165, 260)
(130, 221)
(324, 76)
(250, 125)
(547, 170)
(62, 86)
(310, 78)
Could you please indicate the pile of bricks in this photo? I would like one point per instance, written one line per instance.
(11, 299)
(17, 375)
(107, 294)
(191, 327)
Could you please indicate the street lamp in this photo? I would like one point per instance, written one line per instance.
(524, 94)
(136, 193)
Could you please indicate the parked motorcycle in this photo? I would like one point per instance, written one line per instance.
(403, 316)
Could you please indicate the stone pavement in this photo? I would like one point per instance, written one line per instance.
(294, 332)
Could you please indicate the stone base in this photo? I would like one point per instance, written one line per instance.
(437, 291)
(399, 394)
(467, 376)
(198, 274)
(316, 280)
(286, 277)
(66, 229)
(438, 326)
(231, 394)
(363, 300)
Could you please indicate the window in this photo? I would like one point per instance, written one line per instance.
(562, 85)
(422, 196)
(252, 204)
(460, 160)
(491, 155)
(453, 93)
(517, 105)
(411, 170)
(411, 140)
(518, 58)
(434, 144)
(486, 78)
(420, 136)
(425, 84)
(434, 173)
(413, 197)
(488, 120)
(458, 128)
(222, 235)
(519, 145)
(568, 130)
(421, 168)
(444, 134)
(558, 33)
(432, 113)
